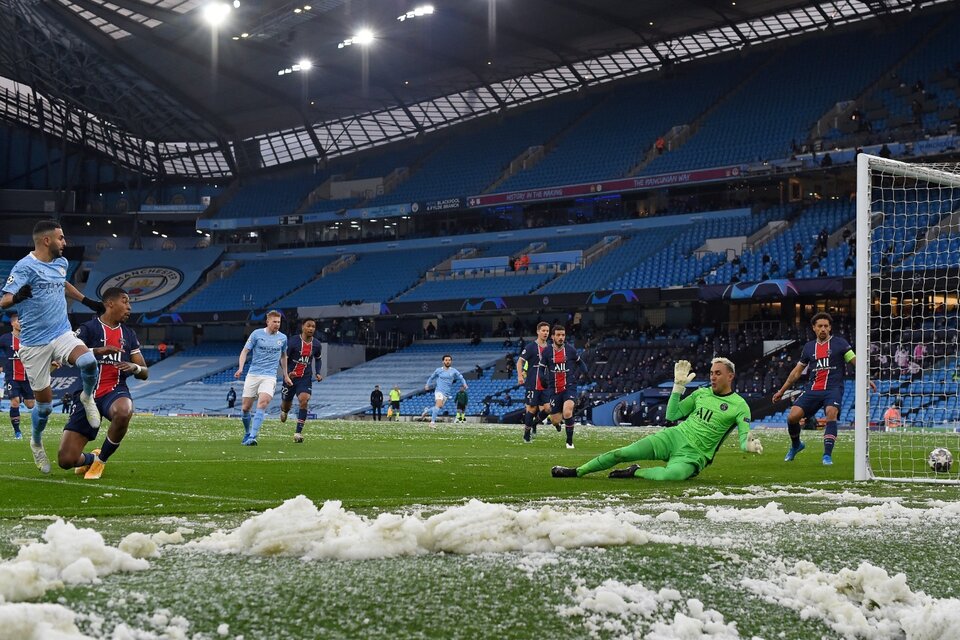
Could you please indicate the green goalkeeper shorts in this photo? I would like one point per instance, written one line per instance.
(672, 446)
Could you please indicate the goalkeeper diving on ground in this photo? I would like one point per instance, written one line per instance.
(709, 415)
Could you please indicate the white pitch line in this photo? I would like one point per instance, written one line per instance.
(327, 458)
(162, 492)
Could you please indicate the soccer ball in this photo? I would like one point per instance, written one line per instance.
(940, 460)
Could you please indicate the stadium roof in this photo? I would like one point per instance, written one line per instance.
(151, 84)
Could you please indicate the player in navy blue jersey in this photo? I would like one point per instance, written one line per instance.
(303, 361)
(530, 374)
(118, 352)
(559, 361)
(826, 359)
(17, 386)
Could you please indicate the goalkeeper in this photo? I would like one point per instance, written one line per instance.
(710, 415)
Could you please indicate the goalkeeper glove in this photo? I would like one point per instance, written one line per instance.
(24, 292)
(681, 376)
(94, 305)
(754, 445)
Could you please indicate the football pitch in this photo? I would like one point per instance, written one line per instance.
(460, 532)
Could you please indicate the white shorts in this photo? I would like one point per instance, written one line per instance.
(36, 360)
(439, 397)
(253, 386)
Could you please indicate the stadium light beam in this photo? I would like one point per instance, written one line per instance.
(215, 13)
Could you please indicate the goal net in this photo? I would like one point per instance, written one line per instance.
(908, 319)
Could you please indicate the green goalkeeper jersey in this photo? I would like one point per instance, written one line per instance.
(709, 418)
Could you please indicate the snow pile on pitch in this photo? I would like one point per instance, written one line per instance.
(862, 603)
(633, 611)
(142, 545)
(299, 528)
(888, 513)
(27, 621)
(69, 556)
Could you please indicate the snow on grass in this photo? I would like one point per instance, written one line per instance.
(865, 602)
(299, 528)
(28, 621)
(887, 513)
(69, 556)
(634, 611)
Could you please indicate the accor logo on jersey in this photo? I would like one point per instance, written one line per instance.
(144, 283)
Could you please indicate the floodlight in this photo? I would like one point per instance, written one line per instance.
(215, 13)
(364, 37)
(305, 65)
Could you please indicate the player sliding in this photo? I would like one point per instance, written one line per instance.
(826, 358)
(710, 413)
(268, 349)
(118, 351)
(38, 287)
(446, 378)
(531, 375)
(303, 355)
(558, 360)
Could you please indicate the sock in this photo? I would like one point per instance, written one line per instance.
(245, 419)
(301, 418)
(41, 412)
(15, 418)
(256, 423)
(107, 449)
(87, 460)
(89, 372)
(433, 413)
(541, 415)
(829, 437)
(569, 424)
(527, 423)
(794, 431)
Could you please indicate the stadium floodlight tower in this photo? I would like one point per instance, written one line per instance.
(908, 290)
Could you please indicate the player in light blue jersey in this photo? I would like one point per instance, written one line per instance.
(38, 287)
(268, 353)
(445, 377)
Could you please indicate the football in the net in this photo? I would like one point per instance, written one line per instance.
(940, 460)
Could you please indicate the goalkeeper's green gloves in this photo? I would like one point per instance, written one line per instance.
(754, 445)
(681, 376)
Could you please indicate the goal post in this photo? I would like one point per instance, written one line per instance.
(907, 317)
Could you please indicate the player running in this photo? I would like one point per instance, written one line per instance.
(303, 354)
(38, 286)
(710, 413)
(557, 361)
(445, 377)
(268, 349)
(531, 375)
(17, 387)
(118, 351)
(826, 359)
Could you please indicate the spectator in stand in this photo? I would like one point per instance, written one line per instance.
(884, 151)
(478, 371)
(891, 417)
(162, 349)
(901, 358)
(774, 267)
(822, 239)
(231, 398)
(798, 260)
(920, 352)
(826, 161)
(660, 145)
(525, 261)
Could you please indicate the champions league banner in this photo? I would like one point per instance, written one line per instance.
(153, 279)
(773, 289)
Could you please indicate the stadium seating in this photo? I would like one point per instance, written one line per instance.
(271, 196)
(510, 284)
(254, 285)
(348, 392)
(616, 136)
(470, 162)
(374, 277)
(785, 98)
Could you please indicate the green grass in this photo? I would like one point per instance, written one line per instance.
(193, 472)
